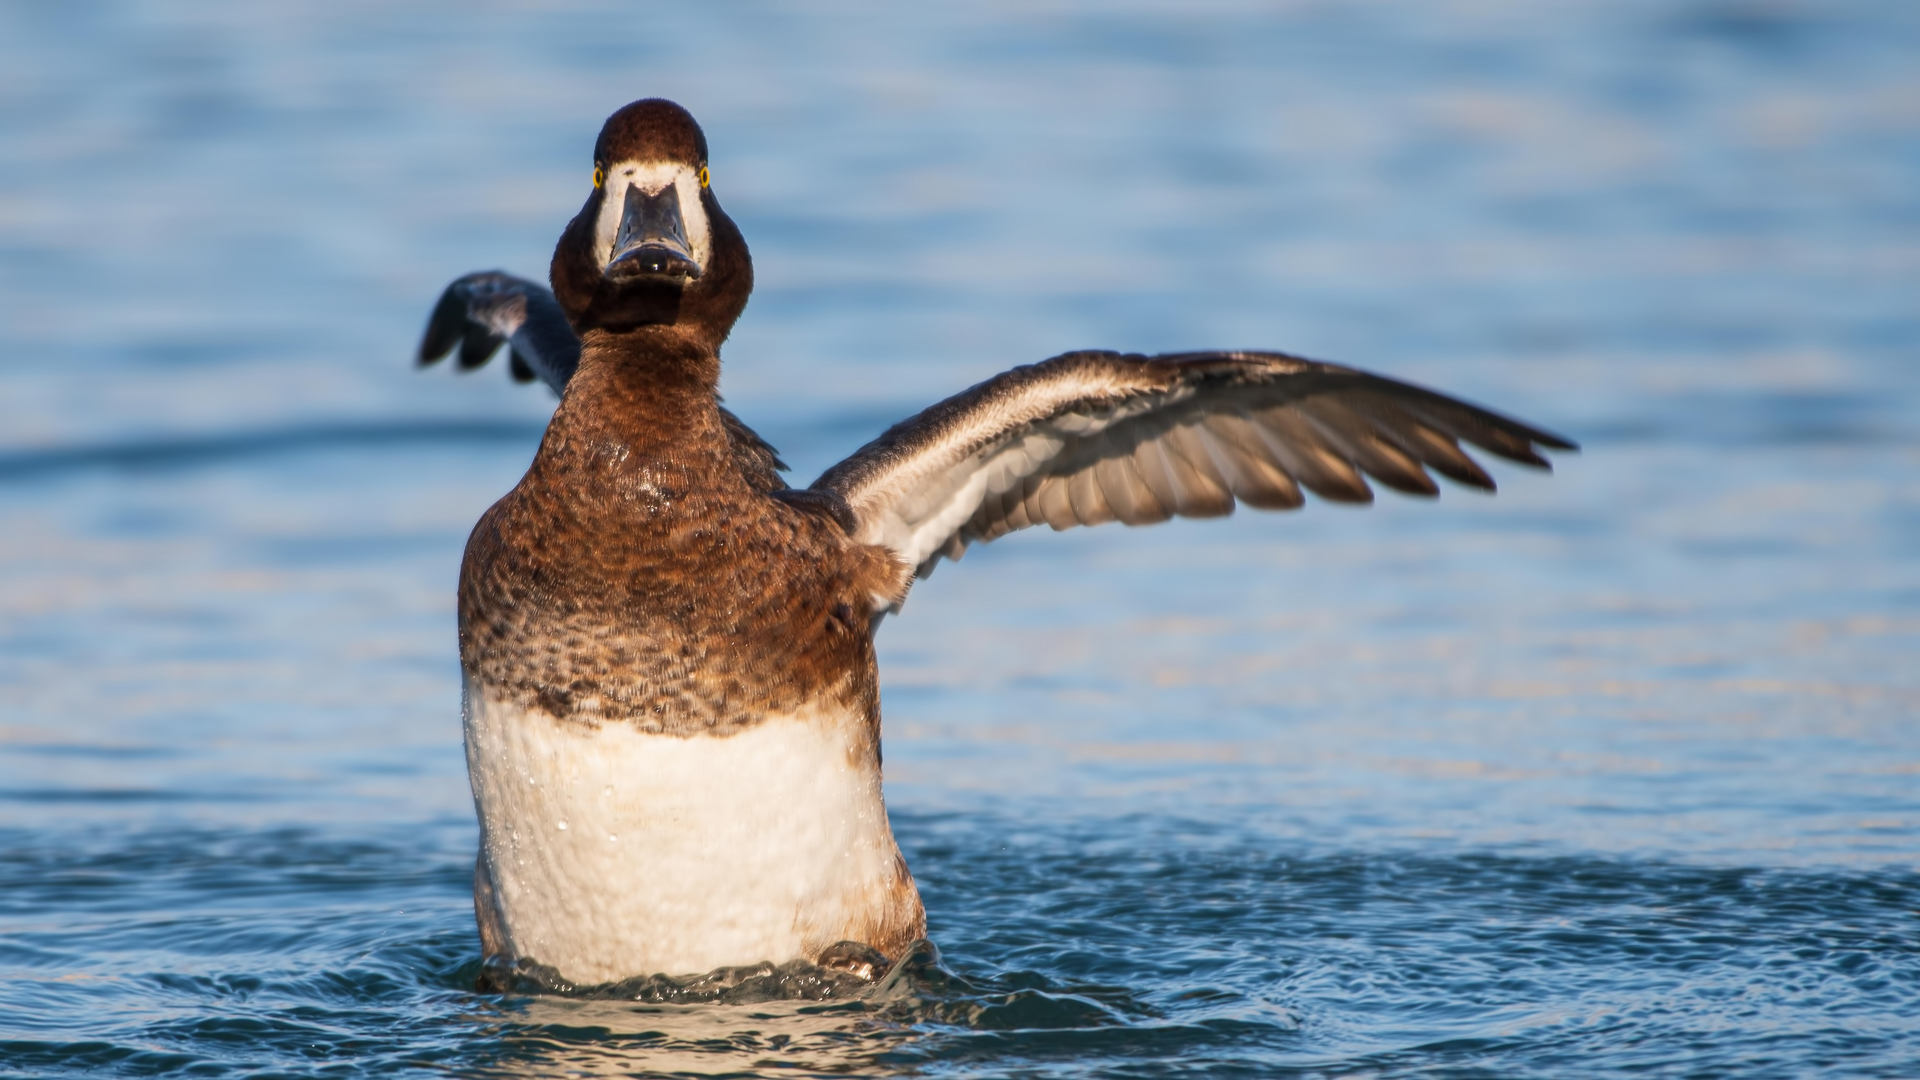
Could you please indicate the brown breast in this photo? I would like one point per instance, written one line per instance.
(635, 576)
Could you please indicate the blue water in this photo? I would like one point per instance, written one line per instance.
(1616, 773)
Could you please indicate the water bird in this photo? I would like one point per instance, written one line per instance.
(671, 706)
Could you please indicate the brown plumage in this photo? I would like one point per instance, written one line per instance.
(652, 576)
(636, 574)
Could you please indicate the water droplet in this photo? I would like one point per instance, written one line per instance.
(612, 838)
(606, 791)
(563, 825)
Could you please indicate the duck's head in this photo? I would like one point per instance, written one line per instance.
(652, 248)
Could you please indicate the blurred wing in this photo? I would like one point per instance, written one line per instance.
(1091, 437)
(482, 311)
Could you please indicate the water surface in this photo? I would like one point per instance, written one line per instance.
(1614, 773)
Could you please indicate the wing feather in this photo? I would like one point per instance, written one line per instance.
(1090, 505)
(1352, 437)
(1092, 437)
(1150, 459)
(1254, 475)
(1050, 503)
(1302, 450)
(1126, 492)
(1207, 492)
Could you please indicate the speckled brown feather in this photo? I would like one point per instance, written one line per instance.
(636, 575)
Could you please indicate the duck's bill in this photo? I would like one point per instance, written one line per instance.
(652, 241)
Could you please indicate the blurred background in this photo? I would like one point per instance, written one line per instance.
(234, 823)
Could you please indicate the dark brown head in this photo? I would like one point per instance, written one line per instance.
(652, 247)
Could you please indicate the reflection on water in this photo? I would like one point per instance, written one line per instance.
(780, 1023)
(549, 1037)
(1612, 773)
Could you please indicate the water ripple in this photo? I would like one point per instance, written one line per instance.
(1115, 942)
(1612, 775)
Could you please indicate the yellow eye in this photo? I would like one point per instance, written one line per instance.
(599, 176)
(703, 176)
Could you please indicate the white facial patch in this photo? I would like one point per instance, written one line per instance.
(652, 177)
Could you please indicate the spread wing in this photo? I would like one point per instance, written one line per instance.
(482, 311)
(1091, 437)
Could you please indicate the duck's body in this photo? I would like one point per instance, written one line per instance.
(673, 723)
(672, 707)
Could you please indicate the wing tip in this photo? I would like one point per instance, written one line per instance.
(1520, 443)
(1529, 454)
(445, 326)
(1550, 441)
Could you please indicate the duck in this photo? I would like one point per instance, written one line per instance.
(670, 698)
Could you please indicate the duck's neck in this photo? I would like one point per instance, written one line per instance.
(656, 357)
(645, 398)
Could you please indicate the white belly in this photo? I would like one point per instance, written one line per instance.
(615, 854)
